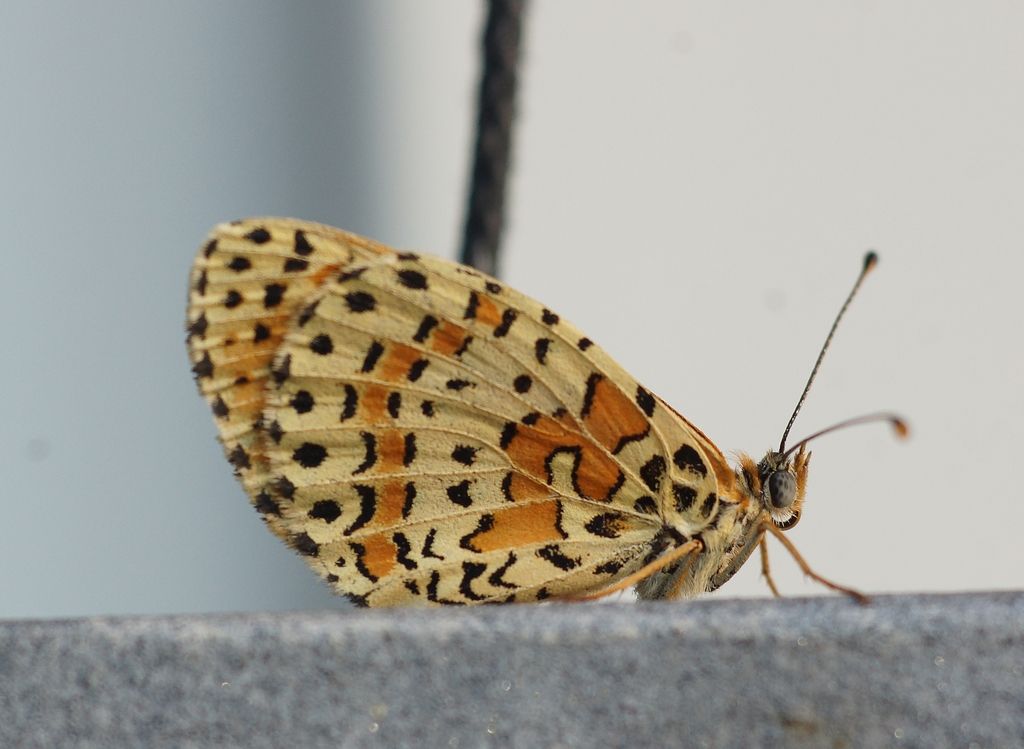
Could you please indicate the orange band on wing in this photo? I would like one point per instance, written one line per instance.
(397, 361)
(392, 451)
(533, 447)
(519, 526)
(380, 555)
(448, 338)
(391, 500)
(373, 404)
(612, 417)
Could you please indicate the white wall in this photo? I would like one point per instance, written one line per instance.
(694, 185)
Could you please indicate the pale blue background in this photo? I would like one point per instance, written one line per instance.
(694, 186)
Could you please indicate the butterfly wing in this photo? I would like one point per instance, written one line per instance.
(430, 436)
(247, 282)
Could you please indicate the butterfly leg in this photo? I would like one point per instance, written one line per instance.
(681, 579)
(854, 594)
(695, 546)
(765, 569)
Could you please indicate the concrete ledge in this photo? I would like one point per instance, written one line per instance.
(906, 671)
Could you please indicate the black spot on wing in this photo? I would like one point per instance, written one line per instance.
(239, 458)
(258, 235)
(428, 546)
(652, 471)
(203, 367)
(351, 274)
(470, 572)
(220, 408)
(646, 505)
(684, 497)
(309, 454)
(348, 410)
(360, 301)
(409, 453)
(540, 349)
(588, 397)
(411, 279)
(416, 369)
(404, 547)
(427, 324)
(608, 568)
(497, 578)
(305, 545)
(506, 487)
(370, 453)
(471, 306)
(689, 459)
(266, 505)
(459, 493)
(508, 433)
(605, 525)
(394, 404)
(367, 506)
(645, 400)
(410, 496)
(553, 553)
(464, 454)
(283, 487)
(507, 318)
(273, 293)
(321, 344)
(325, 509)
(302, 245)
(373, 354)
(302, 402)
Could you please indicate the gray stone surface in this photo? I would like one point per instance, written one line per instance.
(908, 671)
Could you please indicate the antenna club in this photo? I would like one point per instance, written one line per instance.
(900, 427)
(870, 260)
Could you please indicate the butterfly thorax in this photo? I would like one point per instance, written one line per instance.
(771, 491)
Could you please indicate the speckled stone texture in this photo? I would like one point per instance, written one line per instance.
(906, 671)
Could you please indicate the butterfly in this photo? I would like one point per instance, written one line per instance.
(422, 434)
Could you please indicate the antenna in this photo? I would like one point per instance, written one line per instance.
(870, 261)
(898, 425)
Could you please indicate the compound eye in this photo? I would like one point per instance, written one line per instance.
(781, 489)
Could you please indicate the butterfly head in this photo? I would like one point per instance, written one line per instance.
(778, 483)
(782, 480)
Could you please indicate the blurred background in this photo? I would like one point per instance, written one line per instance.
(693, 184)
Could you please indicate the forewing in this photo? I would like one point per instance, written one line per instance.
(427, 435)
